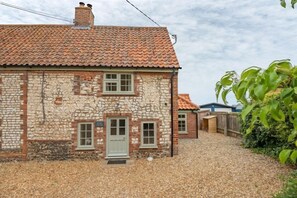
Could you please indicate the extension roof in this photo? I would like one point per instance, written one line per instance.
(104, 46)
(185, 103)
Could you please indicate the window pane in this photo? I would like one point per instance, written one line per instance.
(181, 116)
(82, 142)
(181, 125)
(122, 131)
(145, 126)
(151, 140)
(122, 123)
(89, 134)
(148, 133)
(151, 126)
(151, 133)
(126, 82)
(114, 76)
(82, 134)
(113, 131)
(89, 141)
(145, 133)
(113, 123)
(111, 86)
(82, 126)
(145, 140)
(111, 76)
(89, 127)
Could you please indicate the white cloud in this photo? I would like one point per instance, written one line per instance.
(213, 36)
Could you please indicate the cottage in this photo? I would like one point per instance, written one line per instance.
(187, 117)
(86, 91)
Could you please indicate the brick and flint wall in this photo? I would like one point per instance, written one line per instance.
(40, 112)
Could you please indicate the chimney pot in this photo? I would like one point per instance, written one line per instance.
(90, 5)
(83, 15)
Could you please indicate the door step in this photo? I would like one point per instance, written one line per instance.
(117, 161)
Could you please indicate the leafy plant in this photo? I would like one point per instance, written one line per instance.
(290, 188)
(268, 95)
(284, 4)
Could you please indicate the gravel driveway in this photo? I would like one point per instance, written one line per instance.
(213, 166)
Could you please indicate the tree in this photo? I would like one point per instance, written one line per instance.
(284, 4)
(266, 92)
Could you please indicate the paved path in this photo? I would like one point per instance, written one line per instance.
(213, 166)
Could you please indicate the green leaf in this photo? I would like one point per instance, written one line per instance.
(250, 72)
(296, 143)
(273, 80)
(295, 90)
(226, 80)
(240, 90)
(260, 91)
(218, 89)
(263, 113)
(283, 3)
(278, 115)
(295, 124)
(294, 106)
(224, 95)
(293, 156)
(287, 92)
(284, 155)
(292, 136)
(284, 64)
(248, 131)
(293, 2)
(246, 111)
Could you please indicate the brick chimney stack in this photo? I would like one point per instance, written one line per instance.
(84, 16)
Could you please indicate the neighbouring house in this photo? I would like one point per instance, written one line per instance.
(217, 107)
(86, 91)
(238, 107)
(187, 117)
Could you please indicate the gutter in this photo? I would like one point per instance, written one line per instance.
(172, 112)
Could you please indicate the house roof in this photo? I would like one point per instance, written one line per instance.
(215, 104)
(185, 103)
(104, 46)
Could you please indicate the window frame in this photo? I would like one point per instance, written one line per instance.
(118, 83)
(142, 145)
(185, 119)
(85, 147)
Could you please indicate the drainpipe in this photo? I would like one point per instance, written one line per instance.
(172, 111)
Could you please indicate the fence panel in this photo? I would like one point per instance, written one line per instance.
(228, 123)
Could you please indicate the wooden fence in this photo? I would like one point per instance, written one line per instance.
(201, 115)
(228, 123)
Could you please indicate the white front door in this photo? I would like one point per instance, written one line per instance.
(117, 137)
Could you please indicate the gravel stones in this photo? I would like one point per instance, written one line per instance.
(212, 166)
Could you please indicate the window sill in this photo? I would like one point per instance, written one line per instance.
(148, 147)
(85, 149)
(118, 94)
(183, 133)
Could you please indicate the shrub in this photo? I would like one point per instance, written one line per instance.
(290, 187)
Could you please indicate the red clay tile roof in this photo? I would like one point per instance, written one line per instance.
(107, 46)
(185, 103)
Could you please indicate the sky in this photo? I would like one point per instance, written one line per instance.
(212, 36)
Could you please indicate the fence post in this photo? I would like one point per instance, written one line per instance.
(226, 125)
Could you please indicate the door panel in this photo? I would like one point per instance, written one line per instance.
(117, 137)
